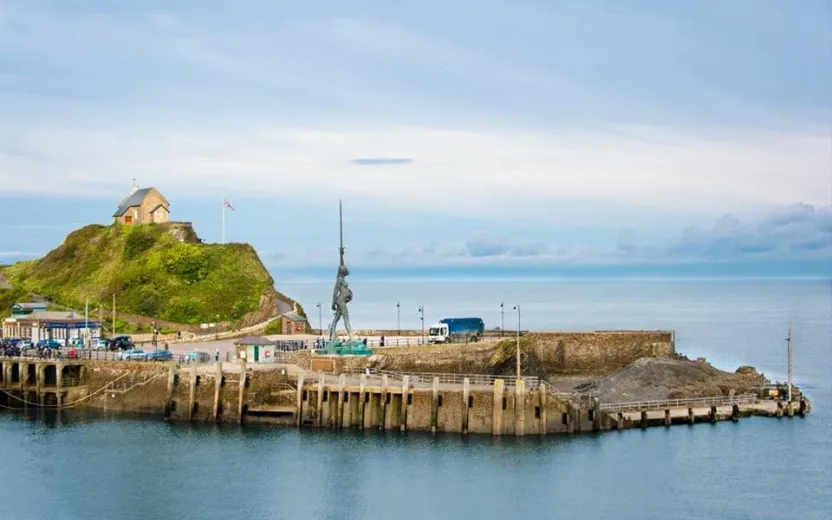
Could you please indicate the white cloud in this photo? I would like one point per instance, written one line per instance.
(466, 172)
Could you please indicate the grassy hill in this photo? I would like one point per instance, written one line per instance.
(154, 270)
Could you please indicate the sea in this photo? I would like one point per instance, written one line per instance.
(88, 467)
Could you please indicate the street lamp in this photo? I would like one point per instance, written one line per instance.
(399, 318)
(517, 308)
(155, 336)
(502, 319)
(422, 317)
(320, 320)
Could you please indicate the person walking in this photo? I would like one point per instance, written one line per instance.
(217, 354)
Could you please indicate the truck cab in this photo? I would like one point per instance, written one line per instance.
(439, 333)
(456, 330)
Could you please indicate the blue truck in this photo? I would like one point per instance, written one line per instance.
(456, 330)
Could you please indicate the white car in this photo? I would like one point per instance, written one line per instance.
(100, 344)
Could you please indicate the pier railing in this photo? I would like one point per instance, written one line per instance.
(662, 404)
(532, 382)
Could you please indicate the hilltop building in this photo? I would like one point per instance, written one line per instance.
(143, 206)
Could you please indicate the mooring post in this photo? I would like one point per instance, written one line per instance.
(59, 368)
(466, 399)
(542, 400)
(434, 406)
(319, 411)
(22, 372)
(520, 407)
(241, 395)
(192, 392)
(217, 386)
(644, 418)
(299, 402)
(691, 416)
(405, 394)
(735, 412)
(339, 420)
(667, 420)
(169, 394)
(597, 416)
(713, 414)
(40, 375)
(383, 399)
(497, 412)
(362, 384)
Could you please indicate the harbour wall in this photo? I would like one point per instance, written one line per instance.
(594, 353)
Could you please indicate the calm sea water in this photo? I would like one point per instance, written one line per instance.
(97, 468)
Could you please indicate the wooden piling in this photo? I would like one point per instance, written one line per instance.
(466, 393)
(542, 400)
(169, 394)
(361, 400)
(405, 392)
(319, 410)
(299, 401)
(241, 393)
(192, 393)
(339, 414)
(520, 408)
(215, 413)
(434, 406)
(382, 422)
(497, 412)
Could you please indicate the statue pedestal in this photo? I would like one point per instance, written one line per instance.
(346, 348)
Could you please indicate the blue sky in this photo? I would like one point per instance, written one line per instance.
(471, 134)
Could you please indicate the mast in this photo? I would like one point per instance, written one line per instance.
(790, 361)
(341, 231)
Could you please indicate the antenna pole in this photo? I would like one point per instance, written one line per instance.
(790, 361)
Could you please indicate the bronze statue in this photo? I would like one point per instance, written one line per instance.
(342, 294)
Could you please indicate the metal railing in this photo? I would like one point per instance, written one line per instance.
(532, 382)
(661, 404)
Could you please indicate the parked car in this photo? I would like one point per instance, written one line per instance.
(48, 343)
(25, 343)
(133, 354)
(77, 343)
(100, 344)
(121, 343)
(159, 355)
(195, 356)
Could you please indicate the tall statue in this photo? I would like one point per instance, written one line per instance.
(342, 294)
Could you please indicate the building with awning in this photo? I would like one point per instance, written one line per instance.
(62, 326)
(256, 349)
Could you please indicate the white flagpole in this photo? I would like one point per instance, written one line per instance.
(223, 221)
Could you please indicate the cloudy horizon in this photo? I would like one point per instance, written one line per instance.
(482, 133)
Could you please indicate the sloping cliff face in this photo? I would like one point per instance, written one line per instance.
(154, 270)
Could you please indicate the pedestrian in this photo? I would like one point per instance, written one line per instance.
(381, 343)
(217, 354)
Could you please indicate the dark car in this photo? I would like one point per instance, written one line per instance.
(121, 343)
(48, 343)
(159, 355)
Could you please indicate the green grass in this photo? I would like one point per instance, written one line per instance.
(149, 271)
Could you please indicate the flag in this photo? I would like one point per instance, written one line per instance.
(228, 205)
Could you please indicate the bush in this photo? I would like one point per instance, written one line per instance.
(274, 327)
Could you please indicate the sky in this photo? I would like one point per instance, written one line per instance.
(468, 136)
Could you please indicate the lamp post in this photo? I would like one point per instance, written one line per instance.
(399, 318)
(422, 317)
(502, 319)
(320, 320)
(517, 308)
